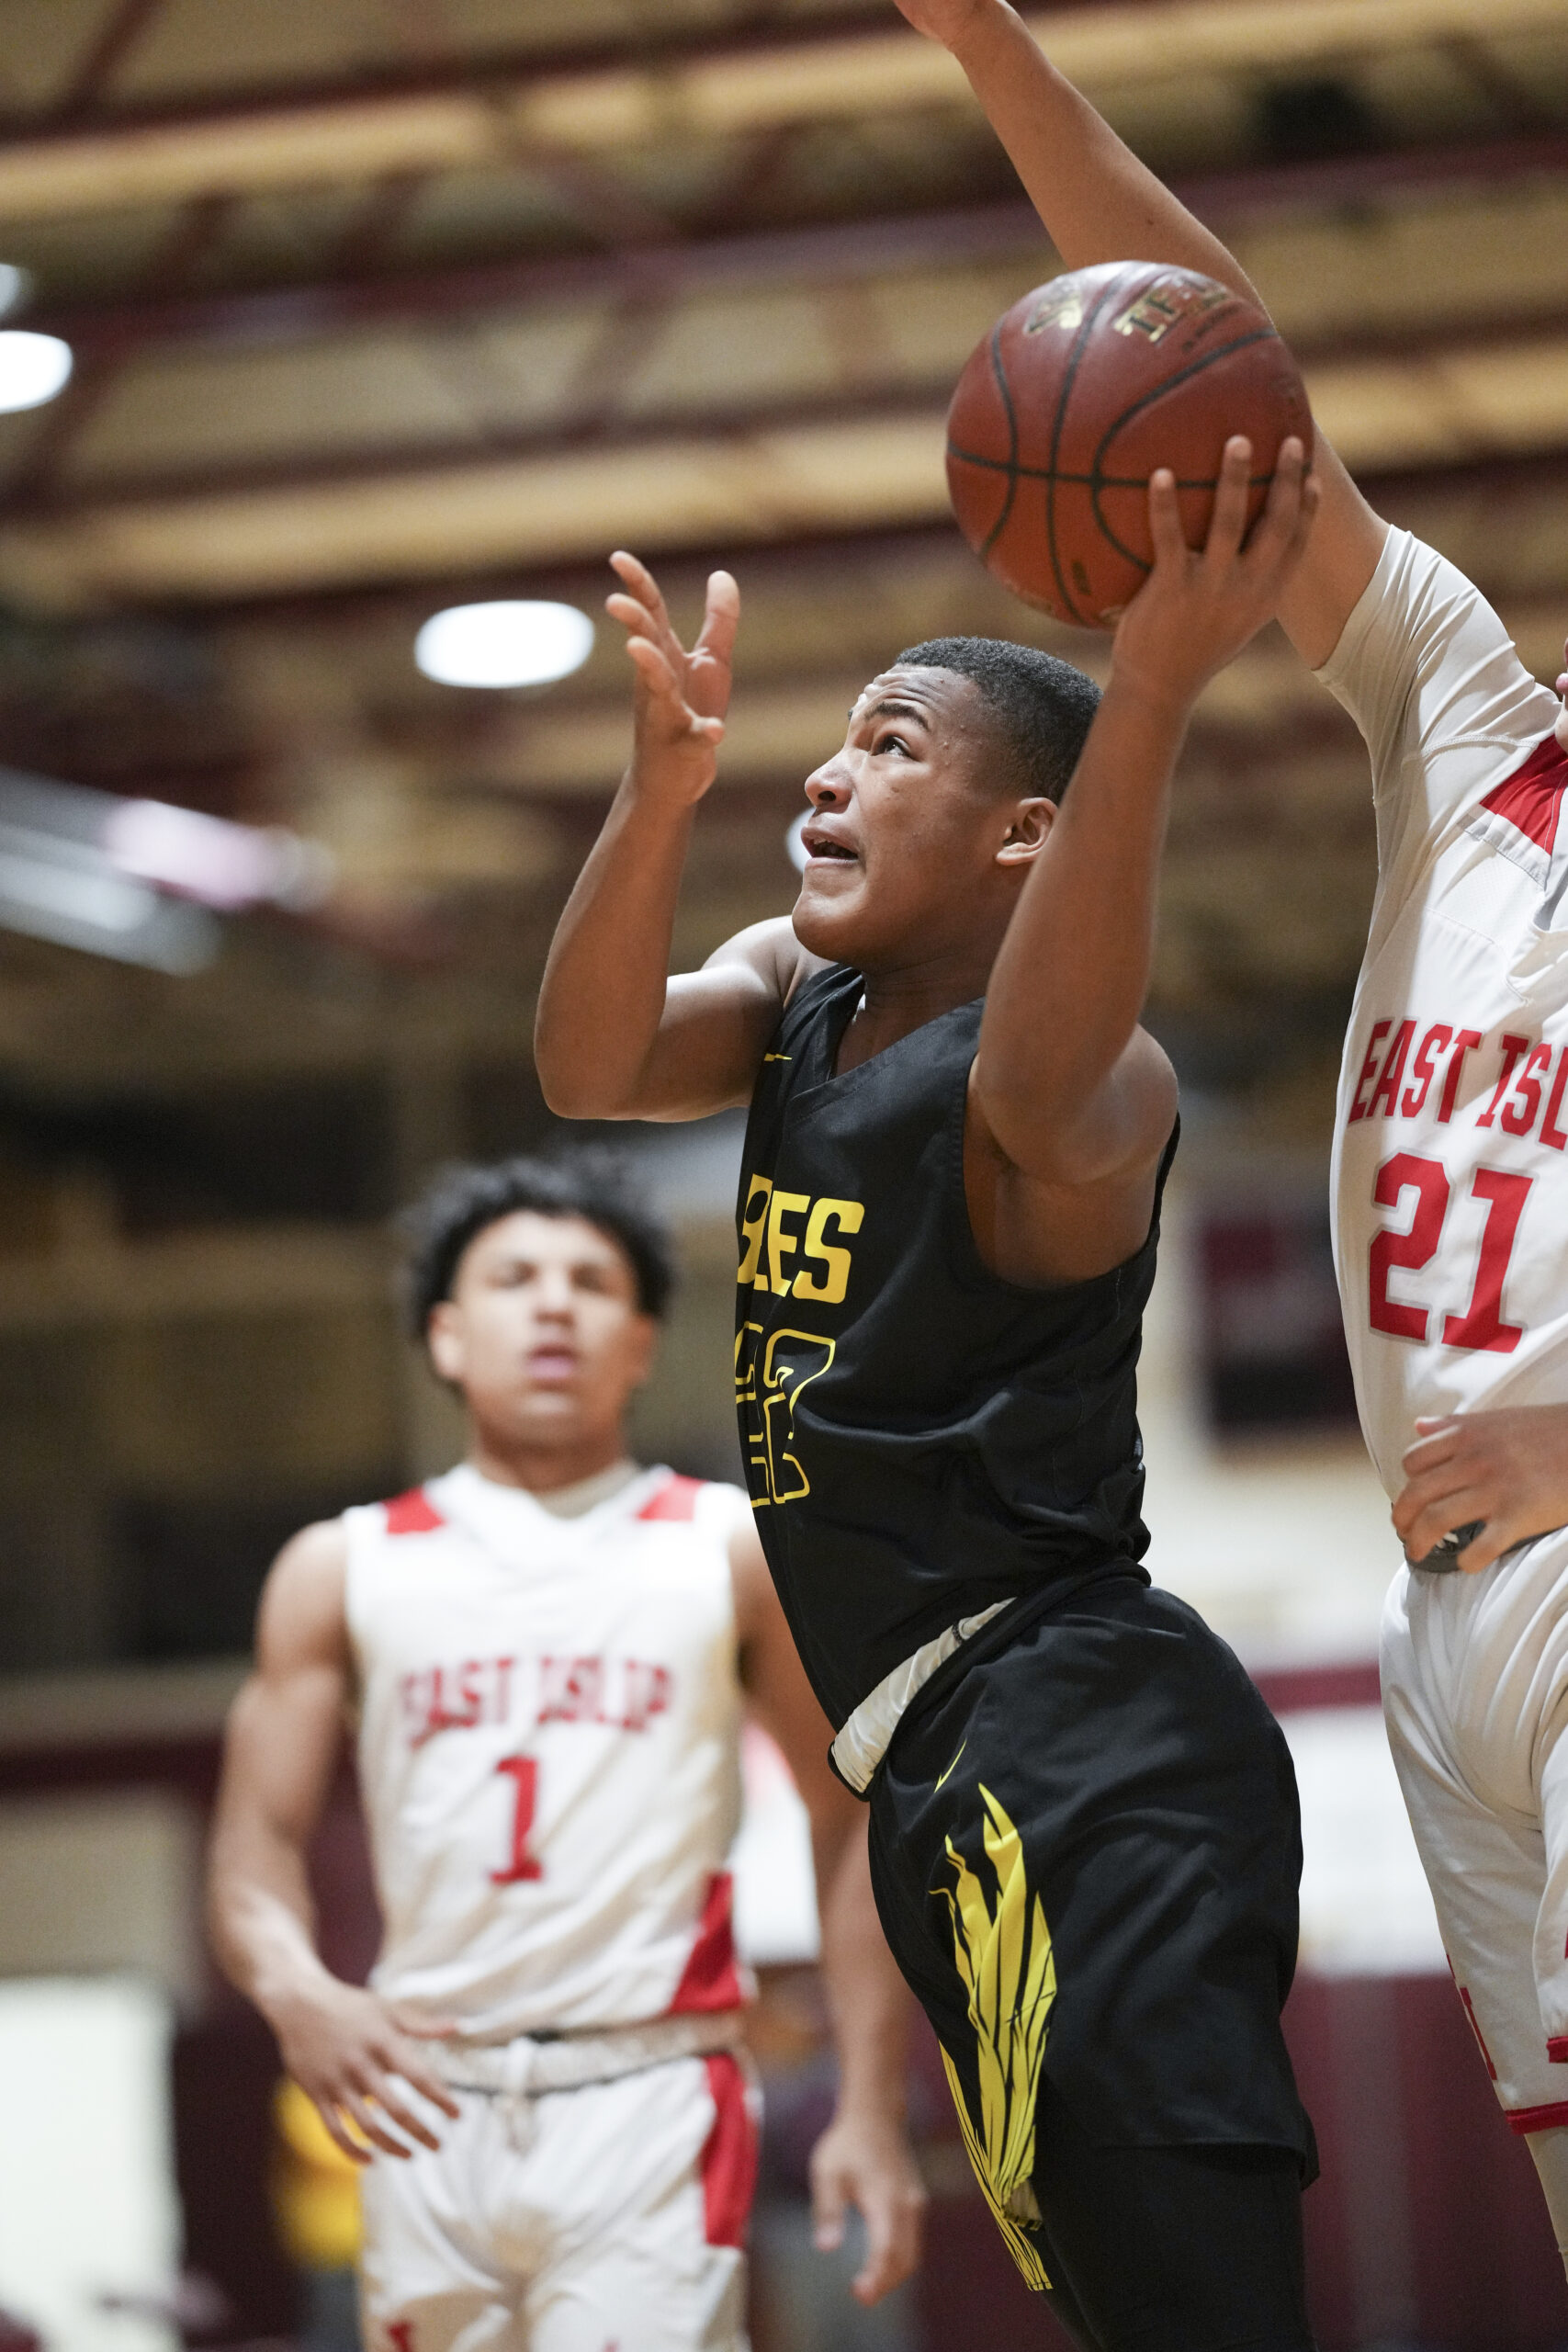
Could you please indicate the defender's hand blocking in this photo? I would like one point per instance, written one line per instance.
(681, 697)
(352, 2054)
(1198, 608)
(1508, 1469)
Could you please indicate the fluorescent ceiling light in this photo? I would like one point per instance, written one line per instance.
(502, 644)
(16, 285)
(33, 368)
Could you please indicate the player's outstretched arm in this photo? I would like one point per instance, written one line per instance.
(1508, 1469)
(864, 2158)
(615, 1036)
(349, 2050)
(1068, 1086)
(1100, 203)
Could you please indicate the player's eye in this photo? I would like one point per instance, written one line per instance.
(891, 742)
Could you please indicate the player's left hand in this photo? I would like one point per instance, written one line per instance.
(867, 2162)
(1200, 606)
(1507, 1468)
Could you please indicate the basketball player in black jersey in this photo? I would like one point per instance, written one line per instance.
(1083, 1823)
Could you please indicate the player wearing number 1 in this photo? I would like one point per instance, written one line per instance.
(548, 1652)
(1452, 1149)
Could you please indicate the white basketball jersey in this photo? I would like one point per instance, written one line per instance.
(548, 1750)
(1452, 1140)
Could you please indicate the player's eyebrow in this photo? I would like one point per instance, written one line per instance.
(891, 706)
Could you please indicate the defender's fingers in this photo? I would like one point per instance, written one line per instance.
(398, 2112)
(1165, 520)
(829, 2203)
(1443, 1491)
(362, 2117)
(410, 2063)
(1438, 1443)
(1228, 523)
(1431, 1527)
(336, 2132)
(1489, 1544)
(893, 2248)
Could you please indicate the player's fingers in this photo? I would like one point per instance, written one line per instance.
(1228, 523)
(1430, 1527)
(722, 617)
(653, 668)
(1435, 1489)
(829, 2203)
(410, 2063)
(337, 2133)
(1440, 1442)
(1429, 1424)
(1490, 1543)
(892, 2245)
(641, 582)
(1165, 520)
(363, 2117)
(398, 2112)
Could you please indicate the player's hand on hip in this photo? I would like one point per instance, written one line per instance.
(867, 2162)
(1508, 1469)
(681, 697)
(1200, 606)
(357, 2057)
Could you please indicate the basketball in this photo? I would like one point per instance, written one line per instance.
(1074, 397)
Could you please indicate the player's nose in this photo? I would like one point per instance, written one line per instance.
(829, 786)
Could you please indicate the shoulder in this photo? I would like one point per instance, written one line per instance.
(303, 1613)
(773, 955)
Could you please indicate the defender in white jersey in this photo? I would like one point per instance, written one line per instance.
(1452, 1158)
(547, 1654)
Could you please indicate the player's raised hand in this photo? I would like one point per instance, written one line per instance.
(681, 696)
(1200, 606)
(1508, 1469)
(357, 2056)
(864, 2160)
(944, 20)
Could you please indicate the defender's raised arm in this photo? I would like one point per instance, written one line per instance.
(615, 1037)
(1098, 203)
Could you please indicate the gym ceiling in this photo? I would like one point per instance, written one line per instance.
(380, 305)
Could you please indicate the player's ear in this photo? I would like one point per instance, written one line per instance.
(642, 1347)
(1028, 828)
(443, 1337)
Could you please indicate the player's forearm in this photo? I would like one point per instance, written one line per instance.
(262, 1919)
(1069, 983)
(603, 991)
(1097, 200)
(868, 2002)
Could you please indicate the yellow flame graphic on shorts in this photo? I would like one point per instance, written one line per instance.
(1007, 1963)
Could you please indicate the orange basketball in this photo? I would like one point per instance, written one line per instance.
(1075, 397)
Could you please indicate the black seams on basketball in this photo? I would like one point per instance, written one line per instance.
(1074, 397)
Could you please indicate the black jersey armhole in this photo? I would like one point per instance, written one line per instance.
(970, 1268)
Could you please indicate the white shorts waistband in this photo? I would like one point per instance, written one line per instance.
(863, 1741)
(532, 2064)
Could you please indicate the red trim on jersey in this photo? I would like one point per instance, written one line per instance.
(676, 1499)
(412, 1514)
(729, 2155)
(1531, 799)
(710, 1979)
(1526, 2119)
(1557, 2048)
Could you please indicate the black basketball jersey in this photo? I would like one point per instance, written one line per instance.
(922, 1437)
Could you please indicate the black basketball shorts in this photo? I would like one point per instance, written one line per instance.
(1086, 1849)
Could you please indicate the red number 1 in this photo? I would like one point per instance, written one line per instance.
(524, 1772)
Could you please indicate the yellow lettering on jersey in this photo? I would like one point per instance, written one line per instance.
(782, 1244)
(849, 1216)
(754, 1225)
(790, 1362)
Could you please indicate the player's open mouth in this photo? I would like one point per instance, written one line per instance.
(551, 1364)
(819, 847)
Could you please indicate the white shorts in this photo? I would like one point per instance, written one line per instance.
(608, 2219)
(1475, 1694)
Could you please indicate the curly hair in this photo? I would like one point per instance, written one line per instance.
(587, 1182)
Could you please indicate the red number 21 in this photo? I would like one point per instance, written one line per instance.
(524, 1772)
(1482, 1325)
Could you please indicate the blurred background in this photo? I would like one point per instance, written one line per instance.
(325, 319)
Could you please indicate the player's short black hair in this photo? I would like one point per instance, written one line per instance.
(1042, 708)
(587, 1182)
